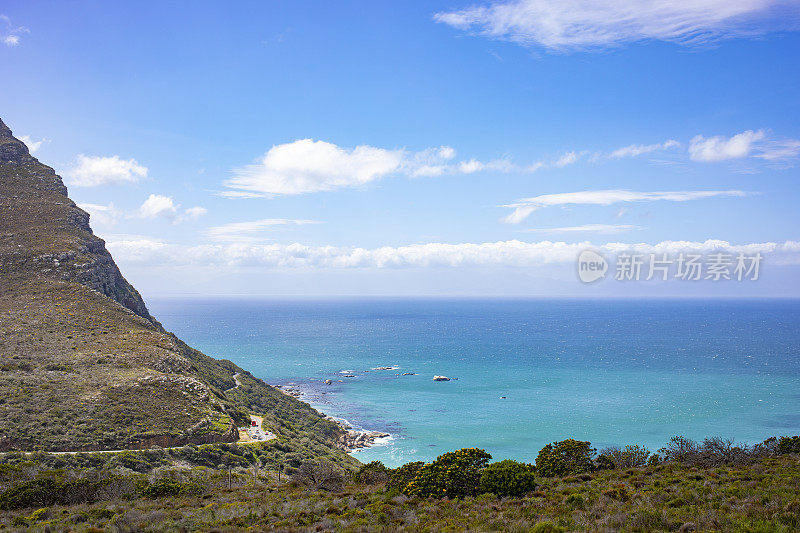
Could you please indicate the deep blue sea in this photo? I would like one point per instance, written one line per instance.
(613, 372)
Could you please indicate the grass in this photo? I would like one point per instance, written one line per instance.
(761, 496)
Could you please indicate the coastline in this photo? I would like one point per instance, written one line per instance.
(354, 437)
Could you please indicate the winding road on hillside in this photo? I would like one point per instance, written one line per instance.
(259, 434)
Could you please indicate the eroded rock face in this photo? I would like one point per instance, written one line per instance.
(33, 192)
(12, 149)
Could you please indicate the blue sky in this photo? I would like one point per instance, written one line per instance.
(296, 148)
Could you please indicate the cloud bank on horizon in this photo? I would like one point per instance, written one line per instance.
(513, 253)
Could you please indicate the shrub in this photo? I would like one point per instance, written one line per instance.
(402, 476)
(629, 457)
(133, 460)
(604, 461)
(714, 451)
(565, 457)
(35, 493)
(161, 488)
(717, 451)
(617, 492)
(546, 527)
(508, 478)
(575, 500)
(374, 473)
(789, 445)
(679, 449)
(453, 474)
(46, 491)
(322, 475)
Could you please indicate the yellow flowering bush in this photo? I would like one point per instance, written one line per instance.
(453, 474)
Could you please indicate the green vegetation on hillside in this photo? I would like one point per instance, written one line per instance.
(714, 485)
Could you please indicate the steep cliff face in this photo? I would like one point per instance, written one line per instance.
(83, 364)
(33, 202)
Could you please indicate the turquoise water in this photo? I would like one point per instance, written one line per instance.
(608, 371)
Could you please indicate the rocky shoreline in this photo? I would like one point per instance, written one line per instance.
(356, 439)
(351, 439)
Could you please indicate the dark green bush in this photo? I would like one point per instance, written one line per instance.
(565, 457)
(604, 461)
(45, 491)
(402, 476)
(35, 493)
(134, 460)
(789, 445)
(453, 474)
(508, 478)
(374, 473)
(161, 488)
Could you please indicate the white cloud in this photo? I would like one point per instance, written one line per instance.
(32, 145)
(10, 34)
(468, 167)
(430, 162)
(91, 171)
(776, 150)
(635, 150)
(587, 228)
(512, 253)
(306, 166)
(102, 215)
(523, 208)
(247, 231)
(195, 212)
(447, 152)
(567, 159)
(720, 148)
(157, 206)
(750, 143)
(139, 249)
(585, 24)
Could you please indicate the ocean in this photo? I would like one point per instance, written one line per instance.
(525, 372)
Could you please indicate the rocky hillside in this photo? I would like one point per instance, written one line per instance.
(83, 364)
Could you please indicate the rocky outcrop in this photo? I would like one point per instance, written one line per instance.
(351, 439)
(38, 194)
(354, 439)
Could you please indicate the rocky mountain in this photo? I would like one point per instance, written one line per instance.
(83, 364)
